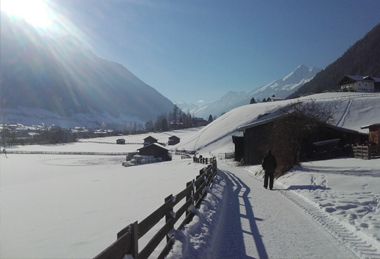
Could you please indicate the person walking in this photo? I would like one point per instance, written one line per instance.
(269, 165)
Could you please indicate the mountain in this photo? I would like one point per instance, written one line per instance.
(186, 107)
(62, 78)
(280, 88)
(363, 58)
(287, 85)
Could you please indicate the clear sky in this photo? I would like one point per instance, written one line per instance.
(193, 50)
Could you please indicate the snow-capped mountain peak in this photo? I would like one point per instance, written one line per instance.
(280, 88)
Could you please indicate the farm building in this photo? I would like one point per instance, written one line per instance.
(173, 140)
(149, 140)
(156, 150)
(120, 141)
(374, 133)
(325, 142)
(360, 84)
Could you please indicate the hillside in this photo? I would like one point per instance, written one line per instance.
(351, 111)
(363, 58)
(61, 78)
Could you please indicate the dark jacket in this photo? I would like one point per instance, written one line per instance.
(269, 163)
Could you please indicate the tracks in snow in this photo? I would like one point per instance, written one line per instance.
(345, 114)
(359, 245)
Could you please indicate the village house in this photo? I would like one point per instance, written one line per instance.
(158, 151)
(149, 140)
(173, 140)
(120, 141)
(366, 84)
(252, 141)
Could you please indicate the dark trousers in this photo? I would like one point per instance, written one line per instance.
(270, 177)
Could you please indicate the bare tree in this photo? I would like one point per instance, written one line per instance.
(288, 134)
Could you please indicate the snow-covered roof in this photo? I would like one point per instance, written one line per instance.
(276, 117)
(156, 144)
(319, 143)
(358, 78)
(370, 125)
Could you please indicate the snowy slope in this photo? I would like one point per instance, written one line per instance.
(351, 111)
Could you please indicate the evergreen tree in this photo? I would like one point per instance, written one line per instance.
(149, 126)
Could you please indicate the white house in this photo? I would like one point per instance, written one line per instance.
(360, 83)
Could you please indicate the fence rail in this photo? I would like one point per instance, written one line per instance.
(66, 153)
(127, 238)
(366, 151)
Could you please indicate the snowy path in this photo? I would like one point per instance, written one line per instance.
(259, 223)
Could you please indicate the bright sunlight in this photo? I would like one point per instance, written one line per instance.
(35, 12)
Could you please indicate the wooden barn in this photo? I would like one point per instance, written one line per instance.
(149, 140)
(374, 133)
(173, 140)
(156, 150)
(120, 141)
(325, 142)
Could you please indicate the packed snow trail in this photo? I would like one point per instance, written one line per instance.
(259, 223)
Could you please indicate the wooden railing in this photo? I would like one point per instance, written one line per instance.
(333, 153)
(128, 238)
(24, 152)
(226, 155)
(203, 160)
(366, 151)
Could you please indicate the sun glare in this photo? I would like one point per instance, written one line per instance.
(35, 12)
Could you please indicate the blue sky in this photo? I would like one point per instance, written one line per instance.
(192, 50)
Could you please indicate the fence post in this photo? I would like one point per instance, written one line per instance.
(168, 215)
(369, 152)
(135, 240)
(190, 195)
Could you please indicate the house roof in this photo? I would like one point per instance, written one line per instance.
(274, 118)
(156, 146)
(261, 122)
(174, 137)
(350, 78)
(370, 125)
(151, 138)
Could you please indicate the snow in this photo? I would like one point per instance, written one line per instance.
(72, 206)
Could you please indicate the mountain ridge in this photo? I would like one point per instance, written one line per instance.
(280, 88)
(61, 76)
(363, 58)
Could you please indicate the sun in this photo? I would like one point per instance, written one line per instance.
(35, 12)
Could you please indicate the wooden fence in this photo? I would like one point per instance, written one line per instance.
(127, 238)
(366, 151)
(66, 153)
(226, 155)
(333, 153)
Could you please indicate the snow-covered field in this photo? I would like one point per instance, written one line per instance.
(64, 206)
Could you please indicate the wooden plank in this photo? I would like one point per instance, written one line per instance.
(183, 194)
(168, 215)
(182, 210)
(118, 249)
(198, 192)
(135, 240)
(154, 218)
(155, 241)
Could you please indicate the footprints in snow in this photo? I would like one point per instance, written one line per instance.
(363, 248)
